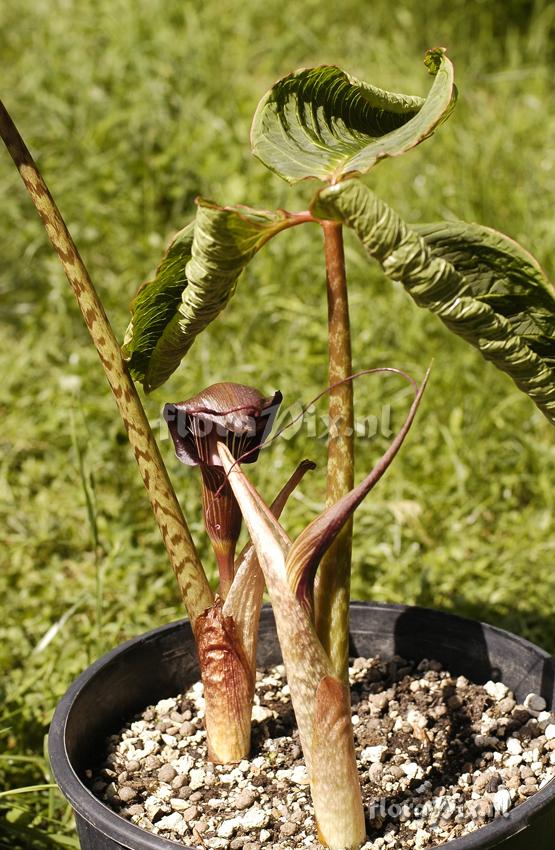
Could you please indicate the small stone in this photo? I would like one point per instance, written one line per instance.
(135, 810)
(112, 792)
(186, 729)
(132, 766)
(484, 741)
(245, 799)
(167, 773)
(379, 701)
(254, 818)
(505, 706)
(153, 806)
(190, 813)
(421, 838)
(502, 801)
(550, 732)
(126, 793)
(197, 778)
(108, 774)
(535, 703)
(299, 775)
(514, 746)
(411, 769)
(395, 772)
(151, 763)
(373, 755)
(173, 823)
(185, 793)
(179, 805)
(375, 772)
(480, 782)
(288, 828)
(183, 765)
(494, 782)
(228, 827)
(260, 713)
(496, 690)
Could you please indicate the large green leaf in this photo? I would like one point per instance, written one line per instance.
(482, 285)
(500, 272)
(321, 122)
(156, 304)
(192, 285)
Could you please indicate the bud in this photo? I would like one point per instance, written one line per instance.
(239, 417)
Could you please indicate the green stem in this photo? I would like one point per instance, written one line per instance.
(333, 589)
(182, 554)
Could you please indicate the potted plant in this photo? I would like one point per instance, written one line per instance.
(315, 123)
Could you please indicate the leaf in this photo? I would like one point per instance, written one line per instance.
(513, 333)
(335, 780)
(28, 789)
(320, 701)
(156, 304)
(244, 600)
(501, 273)
(228, 681)
(193, 284)
(321, 122)
(303, 655)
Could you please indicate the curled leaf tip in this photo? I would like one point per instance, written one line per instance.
(433, 59)
(305, 465)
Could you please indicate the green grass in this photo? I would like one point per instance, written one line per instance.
(132, 109)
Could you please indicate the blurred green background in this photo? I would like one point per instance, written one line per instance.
(134, 108)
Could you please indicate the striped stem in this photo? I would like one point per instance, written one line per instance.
(334, 579)
(182, 554)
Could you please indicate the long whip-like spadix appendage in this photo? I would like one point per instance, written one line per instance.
(182, 554)
(320, 699)
(311, 545)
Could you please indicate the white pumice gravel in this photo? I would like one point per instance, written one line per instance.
(438, 757)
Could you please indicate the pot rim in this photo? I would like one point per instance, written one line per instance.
(115, 827)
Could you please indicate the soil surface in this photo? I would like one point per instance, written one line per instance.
(438, 757)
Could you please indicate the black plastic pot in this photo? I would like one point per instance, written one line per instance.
(163, 662)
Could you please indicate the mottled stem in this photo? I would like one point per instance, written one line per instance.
(333, 588)
(185, 562)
